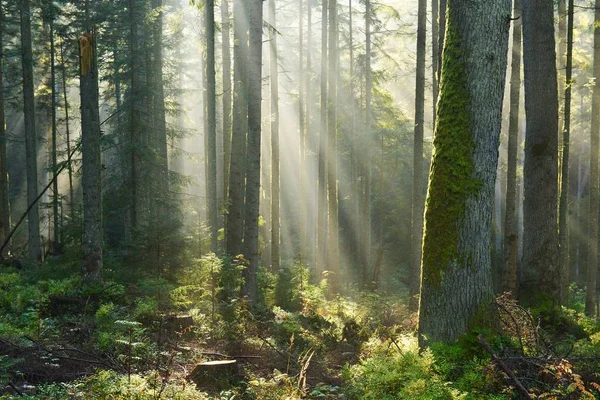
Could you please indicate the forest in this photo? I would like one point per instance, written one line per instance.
(299, 199)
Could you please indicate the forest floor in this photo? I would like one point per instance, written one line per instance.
(139, 336)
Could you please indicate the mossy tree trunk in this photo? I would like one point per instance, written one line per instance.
(540, 237)
(456, 279)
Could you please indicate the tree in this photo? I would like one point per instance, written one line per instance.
(365, 206)
(509, 275)
(226, 56)
(540, 237)
(34, 245)
(4, 203)
(211, 118)
(417, 189)
(592, 272)
(322, 178)
(275, 188)
(92, 160)
(456, 280)
(255, 23)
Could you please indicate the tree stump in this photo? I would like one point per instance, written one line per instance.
(178, 324)
(217, 375)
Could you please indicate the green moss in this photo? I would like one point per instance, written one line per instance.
(451, 177)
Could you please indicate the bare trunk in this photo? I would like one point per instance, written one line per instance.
(322, 181)
(226, 56)
(211, 118)
(275, 189)
(4, 181)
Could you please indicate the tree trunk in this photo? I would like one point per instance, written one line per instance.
(237, 175)
(211, 118)
(435, 55)
(55, 245)
(67, 129)
(4, 181)
(417, 191)
(255, 22)
(92, 162)
(134, 123)
(323, 157)
(509, 275)
(563, 226)
(275, 188)
(456, 283)
(592, 269)
(226, 56)
(540, 241)
(34, 245)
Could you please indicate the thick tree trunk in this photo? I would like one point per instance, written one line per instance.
(34, 245)
(563, 226)
(255, 22)
(418, 202)
(275, 189)
(237, 171)
(592, 269)
(540, 240)
(4, 203)
(92, 162)
(211, 118)
(509, 275)
(456, 283)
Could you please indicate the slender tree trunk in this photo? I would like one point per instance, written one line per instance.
(211, 118)
(92, 160)
(441, 37)
(323, 157)
(275, 201)
(365, 239)
(311, 245)
(237, 175)
(34, 245)
(332, 189)
(302, 131)
(418, 202)
(255, 23)
(134, 123)
(435, 25)
(540, 240)
(354, 155)
(67, 128)
(563, 227)
(456, 283)
(4, 181)
(509, 276)
(226, 56)
(592, 269)
(55, 196)
(560, 63)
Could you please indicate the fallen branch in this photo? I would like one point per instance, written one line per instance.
(505, 368)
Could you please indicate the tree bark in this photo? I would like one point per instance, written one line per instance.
(4, 180)
(540, 240)
(509, 275)
(275, 188)
(67, 127)
(456, 283)
(322, 180)
(255, 22)
(134, 123)
(226, 56)
(211, 109)
(592, 269)
(55, 245)
(92, 160)
(417, 189)
(34, 245)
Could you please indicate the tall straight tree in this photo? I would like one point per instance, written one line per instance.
(365, 206)
(417, 189)
(592, 270)
(226, 57)
(435, 26)
(456, 282)
(275, 200)
(237, 176)
(255, 23)
(322, 179)
(563, 226)
(135, 122)
(509, 275)
(55, 245)
(91, 154)
(211, 118)
(540, 236)
(67, 126)
(4, 203)
(332, 150)
(34, 245)
(302, 129)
